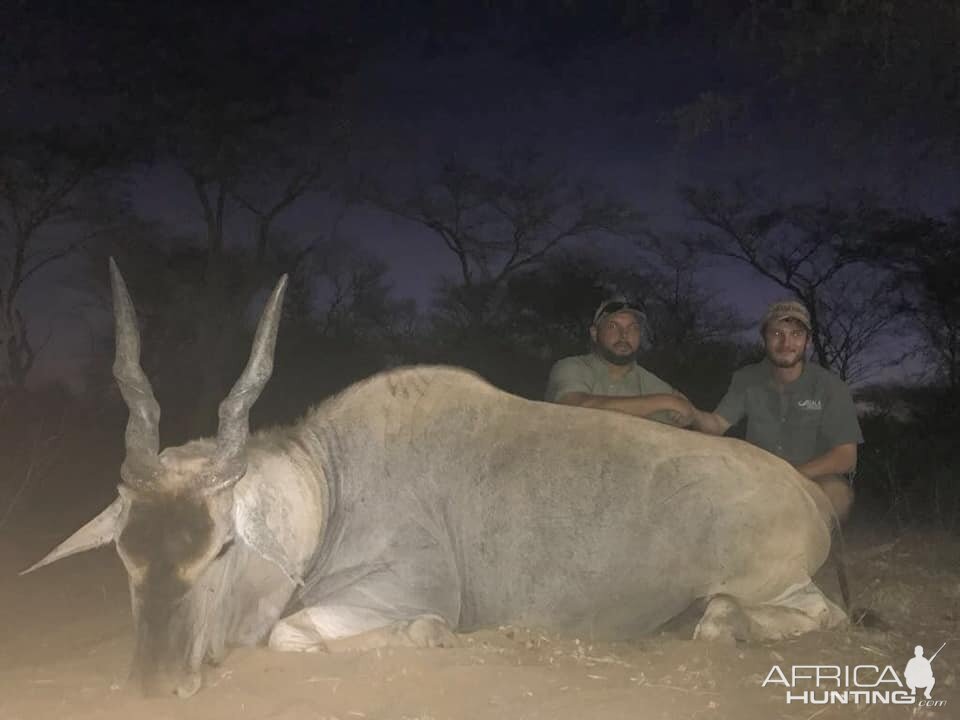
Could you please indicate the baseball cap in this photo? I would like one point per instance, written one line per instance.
(615, 305)
(787, 310)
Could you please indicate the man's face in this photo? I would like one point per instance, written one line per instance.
(617, 337)
(785, 342)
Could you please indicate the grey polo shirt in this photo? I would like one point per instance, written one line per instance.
(590, 374)
(811, 415)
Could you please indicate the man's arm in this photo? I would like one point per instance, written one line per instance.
(730, 409)
(637, 405)
(710, 423)
(840, 430)
(838, 460)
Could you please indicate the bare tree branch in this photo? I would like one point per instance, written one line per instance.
(502, 221)
(806, 250)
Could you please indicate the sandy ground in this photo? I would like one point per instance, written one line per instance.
(66, 641)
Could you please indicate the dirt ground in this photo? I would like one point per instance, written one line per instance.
(66, 641)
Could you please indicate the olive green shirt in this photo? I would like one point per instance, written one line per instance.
(590, 374)
(810, 416)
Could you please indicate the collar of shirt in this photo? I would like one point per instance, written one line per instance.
(802, 385)
(598, 364)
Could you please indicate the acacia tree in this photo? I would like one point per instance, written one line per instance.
(283, 163)
(811, 251)
(245, 158)
(682, 314)
(921, 461)
(56, 196)
(922, 254)
(228, 74)
(202, 90)
(340, 321)
(258, 158)
(876, 70)
(501, 221)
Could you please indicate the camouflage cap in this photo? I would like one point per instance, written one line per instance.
(787, 310)
(615, 305)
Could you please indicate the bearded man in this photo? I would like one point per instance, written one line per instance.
(794, 409)
(609, 378)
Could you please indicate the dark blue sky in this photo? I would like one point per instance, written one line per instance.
(587, 92)
(601, 113)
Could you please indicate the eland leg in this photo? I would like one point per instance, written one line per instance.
(372, 612)
(339, 629)
(801, 609)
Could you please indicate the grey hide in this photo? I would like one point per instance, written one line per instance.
(451, 497)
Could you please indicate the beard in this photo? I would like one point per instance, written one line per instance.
(615, 358)
(786, 361)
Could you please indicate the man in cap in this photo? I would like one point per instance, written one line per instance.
(609, 377)
(794, 409)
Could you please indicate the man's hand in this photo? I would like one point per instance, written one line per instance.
(680, 410)
(674, 408)
(710, 423)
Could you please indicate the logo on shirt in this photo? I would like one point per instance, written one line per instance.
(810, 405)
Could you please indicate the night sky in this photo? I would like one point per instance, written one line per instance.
(591, 88)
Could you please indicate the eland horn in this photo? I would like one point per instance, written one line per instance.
(141, 464)
(229, 462)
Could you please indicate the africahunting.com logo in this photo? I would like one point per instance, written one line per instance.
(859, 684)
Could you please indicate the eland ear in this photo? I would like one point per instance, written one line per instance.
(251, 518)
(101, 530)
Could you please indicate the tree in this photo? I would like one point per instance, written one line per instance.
(921, 253)
(862, 72)
(284, 162)
(344, 322)
(502, 221)
(811, 251)
(57, 194)
(201, 89)
(340, 323)
(682, 314)
(545, 310)
(888, 67)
